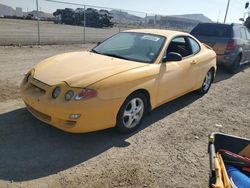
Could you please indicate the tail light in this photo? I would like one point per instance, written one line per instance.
(231, 45)
(86, 94)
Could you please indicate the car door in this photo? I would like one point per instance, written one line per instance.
(244, 44)
(178, 77)
(247, 43)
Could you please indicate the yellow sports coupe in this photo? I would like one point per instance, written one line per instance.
(116, 83)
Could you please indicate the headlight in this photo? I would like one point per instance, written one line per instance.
(56, 92)
(86, 94)
(68, 96)
(27, 75)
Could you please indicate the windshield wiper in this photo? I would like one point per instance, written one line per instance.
(116, 56)
(107, 54)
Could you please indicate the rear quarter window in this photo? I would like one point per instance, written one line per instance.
(194, 45)
(237, 33)
(213, 30)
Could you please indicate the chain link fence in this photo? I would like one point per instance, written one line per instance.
(58, 22)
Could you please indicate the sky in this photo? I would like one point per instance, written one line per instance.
(214, 9)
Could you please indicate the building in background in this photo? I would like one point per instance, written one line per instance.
(19, 12)
(6, 11)
(180, 22)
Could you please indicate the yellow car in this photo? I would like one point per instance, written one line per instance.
(119, 81)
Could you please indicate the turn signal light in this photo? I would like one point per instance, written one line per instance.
(86, 94)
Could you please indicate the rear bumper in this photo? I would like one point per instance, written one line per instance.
(226, 59)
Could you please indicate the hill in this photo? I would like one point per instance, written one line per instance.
(198, 17)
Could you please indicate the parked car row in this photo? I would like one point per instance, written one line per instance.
(230, 42)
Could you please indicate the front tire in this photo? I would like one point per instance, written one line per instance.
(132, 113)
(207, 82)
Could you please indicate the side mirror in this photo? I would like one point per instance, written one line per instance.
(172, 56)
(246, 5)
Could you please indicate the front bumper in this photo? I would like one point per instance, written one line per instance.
(95, 114)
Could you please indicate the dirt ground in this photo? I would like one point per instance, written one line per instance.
(25, 32)
(169, 150)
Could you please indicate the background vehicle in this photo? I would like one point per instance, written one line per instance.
(230, 42)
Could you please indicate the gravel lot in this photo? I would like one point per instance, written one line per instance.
(169, 150)
(24, 32)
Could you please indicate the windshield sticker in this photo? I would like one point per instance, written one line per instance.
(149, 37)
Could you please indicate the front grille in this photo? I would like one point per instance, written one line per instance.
(38, 89)
(39, 115)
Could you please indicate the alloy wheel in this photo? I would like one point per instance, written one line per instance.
(208, 80)
(133, 113)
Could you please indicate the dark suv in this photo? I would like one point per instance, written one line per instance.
(230, 42)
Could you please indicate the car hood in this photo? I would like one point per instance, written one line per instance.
(80, 69)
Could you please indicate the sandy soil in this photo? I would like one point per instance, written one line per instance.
(169, 150)
(25, 32)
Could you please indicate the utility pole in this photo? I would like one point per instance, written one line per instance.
(84, 25)
(38, 24)
(228, 3)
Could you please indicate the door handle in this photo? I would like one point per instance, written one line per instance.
(193, 62)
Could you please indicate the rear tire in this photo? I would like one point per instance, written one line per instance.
(132, 113)
(234, 68)
(208, 80)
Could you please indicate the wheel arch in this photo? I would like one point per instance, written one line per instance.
(147, 95)
(214, 72)
(240, 55)
(137, 91)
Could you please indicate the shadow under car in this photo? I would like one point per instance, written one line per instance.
(31, 149)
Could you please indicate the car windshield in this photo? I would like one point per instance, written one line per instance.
(132, 46)
(215, 30)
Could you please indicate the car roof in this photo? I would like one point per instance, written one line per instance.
(223, 24)
(162, 32)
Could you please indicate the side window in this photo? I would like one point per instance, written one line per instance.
(237, 33)
(194, 45)
(243, 33)
(181, 46)
(179, 39)
(248, 34)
